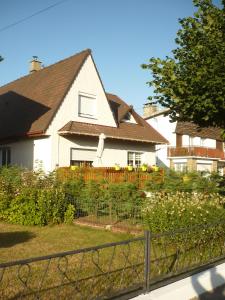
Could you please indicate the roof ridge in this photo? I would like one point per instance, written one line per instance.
(52, 65)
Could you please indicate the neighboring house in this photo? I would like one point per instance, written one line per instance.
(60, 116)
(190, 147)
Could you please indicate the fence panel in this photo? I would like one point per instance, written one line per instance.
(177, 252)
(109, 175)
(93, 273)
(114, 269)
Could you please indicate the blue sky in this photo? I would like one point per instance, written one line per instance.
(122, 34)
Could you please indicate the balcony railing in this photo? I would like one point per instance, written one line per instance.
(195, 151)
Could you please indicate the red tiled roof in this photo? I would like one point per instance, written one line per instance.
(141, 131)
(192, 129)
(27, 105)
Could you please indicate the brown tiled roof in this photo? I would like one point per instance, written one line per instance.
(192, 129)
(27, 105)
(122, 107)
(141, 131)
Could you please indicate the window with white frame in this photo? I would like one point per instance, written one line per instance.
(203, 142)
(191, 141)
(134, 159)
(180, 167)
(203, 167)
(5, 156)
(82, 157)
(87, 106)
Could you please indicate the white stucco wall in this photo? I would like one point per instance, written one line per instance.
(115, 151)
(166, 128)
(88, 82)
(22, 153)
(42, 154)
(31, 153)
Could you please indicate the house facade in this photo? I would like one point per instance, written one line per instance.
(190, 147)
(61, 115)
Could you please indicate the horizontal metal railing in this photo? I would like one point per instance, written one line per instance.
(113, 269)
(98, 272)
(196, 151)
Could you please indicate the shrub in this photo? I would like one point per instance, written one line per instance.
(124, 200)
(170, 211)
(69, 214)
(92, 198)
(31, 198)
(37, 207)
(187, 182)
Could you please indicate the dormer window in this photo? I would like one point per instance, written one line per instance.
(87, 106)
(129, 118)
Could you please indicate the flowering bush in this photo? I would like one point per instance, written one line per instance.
(169, 211)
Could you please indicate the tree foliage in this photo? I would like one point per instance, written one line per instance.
(1, 58)
(191, 83)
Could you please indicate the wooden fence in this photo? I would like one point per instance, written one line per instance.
(109, 175)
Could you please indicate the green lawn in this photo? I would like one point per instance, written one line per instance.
(19, 242)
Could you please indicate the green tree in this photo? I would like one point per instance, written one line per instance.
(1, 58)
(192, 81)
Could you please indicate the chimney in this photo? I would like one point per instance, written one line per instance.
(149, 109)
(35, 65)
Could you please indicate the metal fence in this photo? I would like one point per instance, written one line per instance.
(115, 270)
(121, 215)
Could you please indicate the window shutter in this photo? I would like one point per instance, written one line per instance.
(83, 154)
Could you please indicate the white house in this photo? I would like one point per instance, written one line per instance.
(190, 147)
(61, 115)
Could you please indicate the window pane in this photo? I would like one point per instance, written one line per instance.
(130, 155)
(134, 158)
(180, 167)
(87, 106)
(5, 156)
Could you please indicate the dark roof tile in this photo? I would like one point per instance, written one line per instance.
(192, 129)
(29, 104)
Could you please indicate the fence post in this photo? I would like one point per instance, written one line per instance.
(147, 259)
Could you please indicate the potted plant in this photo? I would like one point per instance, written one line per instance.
(186, 178)
(130, 168)
(117, 167)
(73, 168)
(155, 168)
(144, 167)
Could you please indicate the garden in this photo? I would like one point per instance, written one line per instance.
(169, 200)
(39, 212)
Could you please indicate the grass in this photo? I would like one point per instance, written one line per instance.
(97, 273)
(81, 275)
(19, 242)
